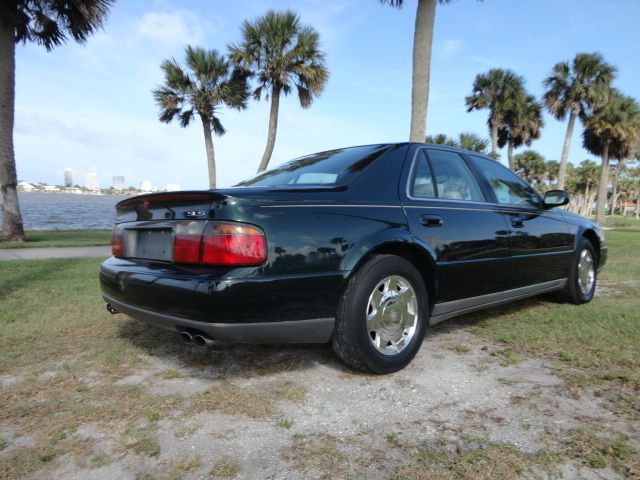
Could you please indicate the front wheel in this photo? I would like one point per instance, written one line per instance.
(581, 283)
(382, 316)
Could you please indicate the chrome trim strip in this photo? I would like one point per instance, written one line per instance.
(446, 310)
(331, 205)
(497, 210)
(540, 254)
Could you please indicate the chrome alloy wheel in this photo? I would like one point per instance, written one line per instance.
(586, 272)
(392, 315)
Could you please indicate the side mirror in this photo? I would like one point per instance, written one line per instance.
(555, 198)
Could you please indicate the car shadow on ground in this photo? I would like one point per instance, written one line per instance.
(227, 361)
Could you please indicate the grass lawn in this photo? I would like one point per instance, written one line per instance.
(62, 355)
(594, 345)
(61, 238)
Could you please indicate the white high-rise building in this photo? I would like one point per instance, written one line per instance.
(68, 177)
(145, 186)
(91, 181)
(118, 182)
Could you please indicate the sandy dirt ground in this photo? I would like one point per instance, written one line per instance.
(327, 421)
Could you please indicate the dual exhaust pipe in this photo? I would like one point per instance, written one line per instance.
(199, 339)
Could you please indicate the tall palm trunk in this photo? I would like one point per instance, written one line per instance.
(603, 185)
(614, 197)
(494, 140)
(273, 127)
(11, 218)
(510, 155)
(565, 150)
(211, 158)
(422, 44)
(585, 208)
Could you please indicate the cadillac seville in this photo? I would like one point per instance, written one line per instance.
(362, 247)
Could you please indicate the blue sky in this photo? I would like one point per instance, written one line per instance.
(89, 107)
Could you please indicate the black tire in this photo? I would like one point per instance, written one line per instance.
(572, 292)
(351, 341)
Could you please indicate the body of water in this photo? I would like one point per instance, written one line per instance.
(65, 211)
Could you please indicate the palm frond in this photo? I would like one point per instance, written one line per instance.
(281, 53)
(50, 22)
(205, 83)
(578, 86)
(186, 117)
(217, 127)
(615, 125)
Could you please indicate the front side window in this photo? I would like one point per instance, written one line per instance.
(507, 186)
(444, 174)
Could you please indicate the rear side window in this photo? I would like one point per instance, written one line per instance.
(507, 186)
(444, 174)
(422, 184)
(331, 168)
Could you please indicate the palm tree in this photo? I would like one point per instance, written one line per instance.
(531, 166)
(635, 176)
(473, 142)
(618, 171)
(553, 167)
(206, 84)
(48, 23)
(584, 177)
(612, 131)
(521, 125)
(497, 90)
(422, 46)
(576, 89)
(441, 139)
(466, 141)
(282, 54)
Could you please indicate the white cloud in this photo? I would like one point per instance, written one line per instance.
(450, 47)
(483, 61)
(172, 27)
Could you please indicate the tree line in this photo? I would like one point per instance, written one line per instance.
(580, 89)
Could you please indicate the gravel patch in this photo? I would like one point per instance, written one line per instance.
(334, 422)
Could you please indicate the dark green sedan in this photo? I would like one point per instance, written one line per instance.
(362, 247)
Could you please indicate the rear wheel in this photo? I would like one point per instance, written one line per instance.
(382, 316)
(581, 283)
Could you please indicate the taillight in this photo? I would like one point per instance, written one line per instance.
(117, 247)
(187, 239)
(221, 243)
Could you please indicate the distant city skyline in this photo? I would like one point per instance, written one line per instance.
(68, 177)
(92, 181)
(118, 182)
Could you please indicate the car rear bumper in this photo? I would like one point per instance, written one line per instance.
(317, 330)
(241, 305)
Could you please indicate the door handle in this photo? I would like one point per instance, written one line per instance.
(517, 223)
(431, 220)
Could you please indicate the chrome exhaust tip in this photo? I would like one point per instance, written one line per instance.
(202, 340)
(111, 310)
(186, 337)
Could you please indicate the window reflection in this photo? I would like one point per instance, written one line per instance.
(508, 187)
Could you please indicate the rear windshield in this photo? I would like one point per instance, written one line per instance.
(331, 168)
